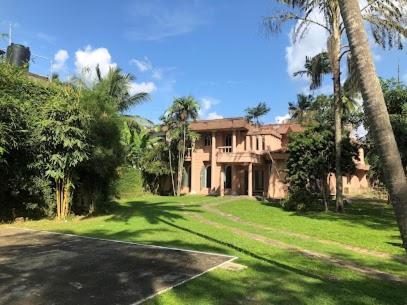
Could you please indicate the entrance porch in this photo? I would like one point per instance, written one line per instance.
(244, 179)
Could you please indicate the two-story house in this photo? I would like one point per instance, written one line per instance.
(233, 156)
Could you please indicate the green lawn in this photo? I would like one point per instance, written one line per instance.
(311, 258)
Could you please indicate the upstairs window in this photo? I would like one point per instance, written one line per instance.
(207, 140)
(228, 140)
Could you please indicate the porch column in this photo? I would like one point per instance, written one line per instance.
(248, 145)
(222, 182)
(234, 141)
(213, 161)
(250, 180)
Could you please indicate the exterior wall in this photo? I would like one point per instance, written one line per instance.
(277, 188)
(352, 184)
(272, 142)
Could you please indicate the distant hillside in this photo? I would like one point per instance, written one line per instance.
(141, 121)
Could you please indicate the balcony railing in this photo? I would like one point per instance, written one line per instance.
(225, 149)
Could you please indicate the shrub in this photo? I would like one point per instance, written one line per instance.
(301, 200)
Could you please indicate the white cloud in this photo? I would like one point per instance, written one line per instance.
(206, 105)
(87, 60)
(142, 64)
(280, 119)
(310, 45)
(146, 87)
(214, 116)
(59, 62)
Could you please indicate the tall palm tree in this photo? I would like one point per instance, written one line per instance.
(254, 113)
(376, 111)
(386, 20)
(177, 118)
(118, 86)
(301, 111)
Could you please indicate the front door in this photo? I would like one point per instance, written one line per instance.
(258, 180)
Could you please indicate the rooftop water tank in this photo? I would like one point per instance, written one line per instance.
(18, 55)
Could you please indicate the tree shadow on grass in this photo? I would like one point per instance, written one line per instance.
(151, 211)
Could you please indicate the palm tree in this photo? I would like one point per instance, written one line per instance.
(254, 113)
(315, 68)
(376, 111)
(387, 31)
(117, 85)
(301, 111)
(177, 118)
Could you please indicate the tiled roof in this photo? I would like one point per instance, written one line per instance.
(276, 130)
(219, 124)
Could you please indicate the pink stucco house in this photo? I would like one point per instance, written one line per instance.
(235, 157)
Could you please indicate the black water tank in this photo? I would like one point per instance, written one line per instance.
(18, 55)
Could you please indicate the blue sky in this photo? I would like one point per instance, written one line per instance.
(216, 51)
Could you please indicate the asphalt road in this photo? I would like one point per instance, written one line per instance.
(57, 269)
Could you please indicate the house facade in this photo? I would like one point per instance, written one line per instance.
(235, 157)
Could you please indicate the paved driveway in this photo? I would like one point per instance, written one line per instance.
(48, 268)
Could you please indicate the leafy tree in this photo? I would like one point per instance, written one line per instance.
(312, 158)
(177, 119)
(387, 25)
(137, 141)
(24, 188)
(95, 176)
(62, 144)
(395, 96)
(374, 101)
(254, 113)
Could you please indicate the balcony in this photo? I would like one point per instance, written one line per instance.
(225, 149)
(225, 155)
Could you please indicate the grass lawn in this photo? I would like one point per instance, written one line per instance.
(311, 258)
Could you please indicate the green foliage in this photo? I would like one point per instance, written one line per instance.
(58, 137)
(130, 182)
(25, 188)
(254, 113)
(311, 159)
(395, 95)
(117, 85)
(178, 136)
(300, 201)
(95, 176)
(61, 136)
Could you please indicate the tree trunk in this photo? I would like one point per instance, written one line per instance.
(58, 197)
(376, 112)
(171, 170)
(335, 49)
(181, 162)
